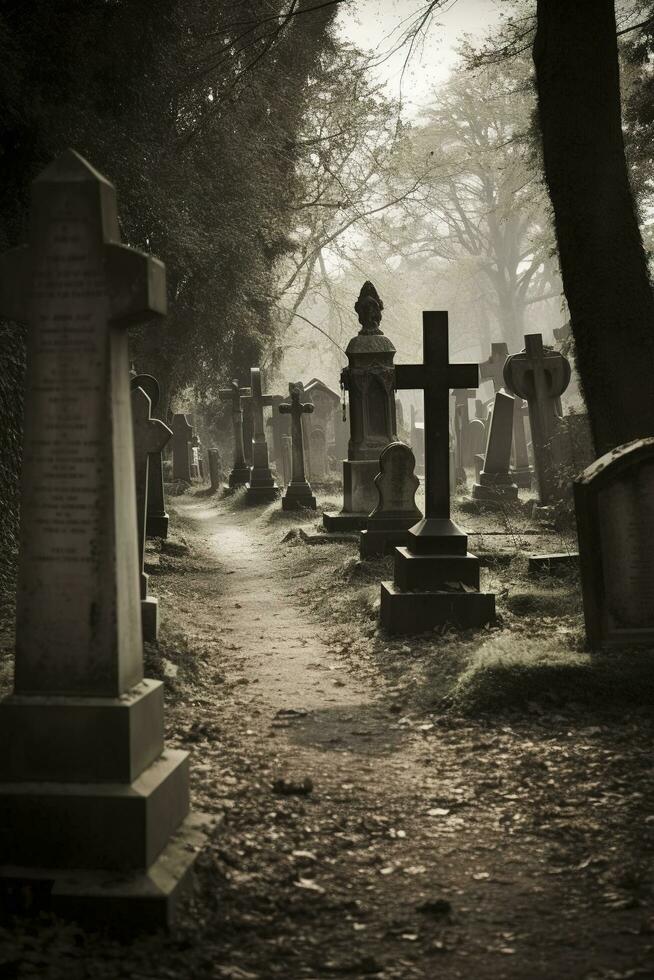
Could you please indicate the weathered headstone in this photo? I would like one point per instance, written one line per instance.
(462, 430)
(156, 523)
(319, 468)
(540, 375)
(298, 492)
(150, 437)
(182, 433)
(493, 370)
(614, 504)
(215, 468)
(396, 510)
(278, 425)
(261, 486)
(495, 484)
(89, 802)
(198, 456)
(436, 581)
(327, 416)
(369, 380)
(240, 470)
(287, 459)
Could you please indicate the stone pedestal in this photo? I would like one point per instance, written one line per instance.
(298, 498)
(495, 488)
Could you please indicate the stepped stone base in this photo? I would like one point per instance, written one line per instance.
(156, 526)
(126, 902)
(522, 477)
(434, 571)
(374, 542)
(486, 491)
(238, 477)
(344, 521)
(261, 493)
(299, 503)
(417, 612)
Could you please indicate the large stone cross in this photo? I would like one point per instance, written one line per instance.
(150, 437)
(436, 376)
(493, 368)
(78, 288)
(235, 395)
(296, 409)
(540, 375)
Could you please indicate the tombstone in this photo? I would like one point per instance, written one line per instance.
(319, 465)
(150, 437)
(540, 375)
(182, 433)
(261, 486)
(477, 437)
(240, 473)
(248, 432)
(193, 465)
(493, 370)
(156, 523)
(436, 581)
(396, 510)
(93, 811)
(287, 459)
(614, 505)
(278, 425)
(198, 456)
(369, 380)
(215, 468)
(495, 484)
(462, 428)
(327, 416)
(298, 492)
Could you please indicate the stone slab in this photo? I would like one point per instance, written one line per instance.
(418, 612)
(150, 619)
(127, 903)
(341, 521)
(553, 564)
(413, 571)
(114, 826)
(77, 740)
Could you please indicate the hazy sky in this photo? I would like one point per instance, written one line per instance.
(378, 25)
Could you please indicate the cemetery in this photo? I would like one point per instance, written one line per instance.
(327, 566)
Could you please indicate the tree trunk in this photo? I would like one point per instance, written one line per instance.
(603, 265)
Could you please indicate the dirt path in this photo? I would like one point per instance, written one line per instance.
(425, 848)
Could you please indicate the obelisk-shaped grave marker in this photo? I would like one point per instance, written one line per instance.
(156, 522)
(298, 493)
(84, 786)
(150, 437)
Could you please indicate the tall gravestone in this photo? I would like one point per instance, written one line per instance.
(261, 486)
(614, 505)
(493, 370)
(436, 581)
(495, 484)
(298, 492)
(396, 509)
(215, 468)
(369, 379)
(182, 433)
(240, 473)
(156, 524)
(150, 437)
(540, 375)
(92, 809)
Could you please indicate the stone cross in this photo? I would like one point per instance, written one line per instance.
(78, 288)
(436, 376)
(85, 786)
(150, 437)
(240, 470)
(540, 375)
(493, 368)
(261, 485)
(182, 432)
(298, 491)
(156, 522)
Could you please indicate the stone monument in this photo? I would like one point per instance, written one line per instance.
(94, 813)
(182, 433)
(156, 524)
(369, 380)
(215, 468)
(396, 510)
(540, 375)
(495, 484)
(614, 505)
(493, 370)
(298, 492)
(240, 470)
(436, 581)
(150, 437)
(261, 485)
